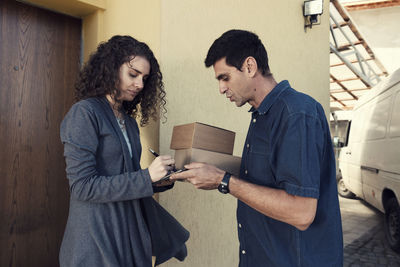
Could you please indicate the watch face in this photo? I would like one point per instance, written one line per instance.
(223, 189)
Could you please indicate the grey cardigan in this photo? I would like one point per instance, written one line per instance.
(113, 219)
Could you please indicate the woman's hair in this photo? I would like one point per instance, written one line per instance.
(100, 76)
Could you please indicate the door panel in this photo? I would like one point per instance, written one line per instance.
(39, 60)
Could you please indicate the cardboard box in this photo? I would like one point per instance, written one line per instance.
(223, 161)
(202, 136)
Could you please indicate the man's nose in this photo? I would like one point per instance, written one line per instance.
(222, 88)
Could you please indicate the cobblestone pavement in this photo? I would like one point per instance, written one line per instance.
(363, 236)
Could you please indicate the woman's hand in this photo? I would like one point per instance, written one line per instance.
(160, 167)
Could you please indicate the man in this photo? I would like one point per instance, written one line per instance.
(288, 210)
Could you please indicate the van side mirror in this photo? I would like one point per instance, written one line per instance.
(337, 142)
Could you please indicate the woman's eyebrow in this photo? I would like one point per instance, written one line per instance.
(138, 71)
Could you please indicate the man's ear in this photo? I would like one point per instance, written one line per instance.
(250, 66)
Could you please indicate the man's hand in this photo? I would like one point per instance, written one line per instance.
(201, 175)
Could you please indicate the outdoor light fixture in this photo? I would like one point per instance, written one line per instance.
(311, 10)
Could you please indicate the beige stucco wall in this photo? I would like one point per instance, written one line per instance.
(187, 30)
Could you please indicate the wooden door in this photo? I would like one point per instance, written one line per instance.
(39, 62)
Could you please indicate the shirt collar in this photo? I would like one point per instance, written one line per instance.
(271, 98)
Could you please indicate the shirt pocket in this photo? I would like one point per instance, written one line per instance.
(259, 168)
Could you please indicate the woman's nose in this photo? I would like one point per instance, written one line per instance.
(139, 84)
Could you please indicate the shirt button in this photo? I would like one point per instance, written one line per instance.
(247, 145)
(240, 226)
(245, 172)
(254, 120)
(243, 251)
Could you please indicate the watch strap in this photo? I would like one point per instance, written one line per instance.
(224, 185)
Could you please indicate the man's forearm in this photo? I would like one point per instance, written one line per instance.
(275, 203)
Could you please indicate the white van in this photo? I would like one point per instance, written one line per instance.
(370, 163)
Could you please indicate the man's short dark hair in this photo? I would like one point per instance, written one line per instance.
(236, 46)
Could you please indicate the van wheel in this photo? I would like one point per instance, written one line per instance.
(342, 190)
(392, 224)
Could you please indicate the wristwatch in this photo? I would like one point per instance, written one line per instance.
(224, 185)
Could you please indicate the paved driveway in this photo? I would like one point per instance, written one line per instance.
(363, 236)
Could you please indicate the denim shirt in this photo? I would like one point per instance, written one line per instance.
(288, 147)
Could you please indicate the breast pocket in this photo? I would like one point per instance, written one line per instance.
(259, 168)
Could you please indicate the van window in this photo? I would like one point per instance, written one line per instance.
(347, 134)
(394, 128)
(377, 117)
(356, 126)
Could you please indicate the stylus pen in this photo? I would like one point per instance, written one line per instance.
(153, 152)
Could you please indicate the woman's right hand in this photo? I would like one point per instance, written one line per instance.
(160, 167)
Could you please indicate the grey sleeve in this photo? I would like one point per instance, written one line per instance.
(79, 134)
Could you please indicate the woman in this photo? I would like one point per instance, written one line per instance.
(113, 219)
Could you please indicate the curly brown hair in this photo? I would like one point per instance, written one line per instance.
(100, 77)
